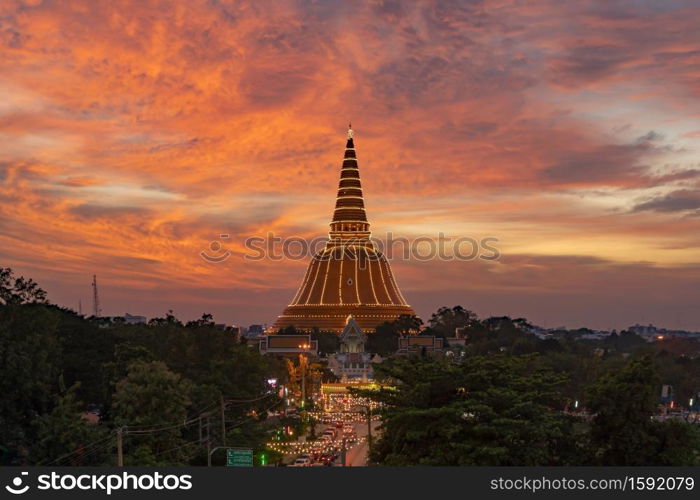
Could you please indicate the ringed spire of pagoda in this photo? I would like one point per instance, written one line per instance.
(349, 218)
(349, 276)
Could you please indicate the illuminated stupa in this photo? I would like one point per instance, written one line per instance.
(349, 277)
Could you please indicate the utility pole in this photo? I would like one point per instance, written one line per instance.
(303, 380)
(96, 311)
(223, 421)
(120, 447)
(369, 429)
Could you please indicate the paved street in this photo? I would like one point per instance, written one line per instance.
(357, 455)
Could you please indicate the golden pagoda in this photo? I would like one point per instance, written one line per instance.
(349, 277)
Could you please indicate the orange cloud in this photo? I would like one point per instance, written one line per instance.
(133, 135)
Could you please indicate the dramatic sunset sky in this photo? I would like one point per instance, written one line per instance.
(133, 133)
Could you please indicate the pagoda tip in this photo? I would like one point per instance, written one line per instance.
(350, 131)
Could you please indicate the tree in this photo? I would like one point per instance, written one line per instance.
(623, 431)
(154, 400)
(408, 324)
(29, 364)
(169, 319)
(385, 339)
(679, 443)
(498, 410)
(85, 349)
(444, 322)
(623, 404)
(328, 342)
(63, 432)
(207, 320)
(19, 290)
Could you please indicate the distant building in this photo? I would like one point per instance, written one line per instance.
(460, 338)
(667, 394)
(132, 320)
(594, 335)
(417, 344)
(650, 333)
(128, 319)
(288, 345)
(352, 363)
(254, 331)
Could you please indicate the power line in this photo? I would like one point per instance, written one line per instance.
(108, 441)
(188, 443)
(104, 447)
(186, 423)
(164, 427)
(84, 452)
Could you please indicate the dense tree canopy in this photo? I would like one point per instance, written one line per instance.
(506, 397)
(445, 321)
(498, 410)
(60, 370)
(623, 431)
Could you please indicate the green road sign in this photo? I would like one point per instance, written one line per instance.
(239, 457)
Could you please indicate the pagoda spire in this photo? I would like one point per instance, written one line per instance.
(349, 217)
(349, 281)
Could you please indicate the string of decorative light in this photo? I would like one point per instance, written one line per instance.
(317, 447)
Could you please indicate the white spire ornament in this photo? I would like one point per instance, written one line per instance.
(351, 132)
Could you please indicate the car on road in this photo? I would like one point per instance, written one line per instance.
(301, 461)
(329, 458)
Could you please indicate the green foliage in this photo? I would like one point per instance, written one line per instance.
(64, 430)
(408, 324)
(86, 351)
(19, 290)
(624, 341)
(500, 410)
(153, 376)
(502, 335)
(385, 339)
(678, 443)
(500, 404)
(623, 431)
(444, 322)
(151, 397)
(288, 330)
(328, 342)
(29, 358)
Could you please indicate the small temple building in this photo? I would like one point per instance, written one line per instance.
(349, 276)
(353, 363)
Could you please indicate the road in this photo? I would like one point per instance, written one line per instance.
(357, 455)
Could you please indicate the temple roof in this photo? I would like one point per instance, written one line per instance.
(349, 203)
(349, 277)
(349, 219)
